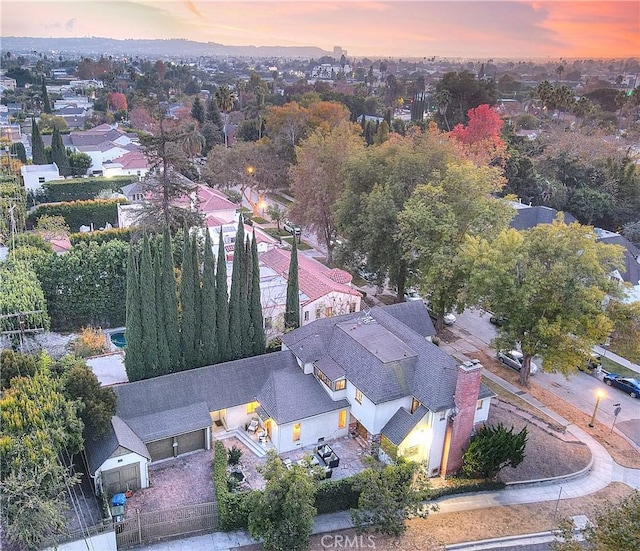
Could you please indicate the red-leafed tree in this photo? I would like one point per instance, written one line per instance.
(118, 101)
(480, 139)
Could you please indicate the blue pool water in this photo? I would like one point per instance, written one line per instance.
(118, 339)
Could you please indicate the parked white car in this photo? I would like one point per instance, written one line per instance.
(514, 359)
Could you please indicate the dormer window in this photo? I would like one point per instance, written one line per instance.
(415, 404)
(340, 384)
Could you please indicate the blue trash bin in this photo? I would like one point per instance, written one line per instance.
(118, 500)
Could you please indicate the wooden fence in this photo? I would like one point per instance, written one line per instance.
(146, 528)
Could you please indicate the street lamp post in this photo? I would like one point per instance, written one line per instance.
(599, 395)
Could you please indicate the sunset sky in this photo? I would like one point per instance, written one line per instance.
(474, 29)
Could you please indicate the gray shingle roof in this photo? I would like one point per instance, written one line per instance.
(413, 314)
(430, 375)
(330, 368)
(120, 434)
(529, 217)
(402, 423)
(171, 422)
(631, 271)
(290, 395)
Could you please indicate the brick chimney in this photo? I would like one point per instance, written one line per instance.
(466, 399)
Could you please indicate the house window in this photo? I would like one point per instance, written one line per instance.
(251, 407)
(415, 404)
(296, 432)
(443, 414)
(340, 384)
(268, 323)
(358, 396)
(342, 419)
(328, 311)
(318, 311)
(321, 376)
(41, 179)
(352, 307)
(306, 315)
(479, 404)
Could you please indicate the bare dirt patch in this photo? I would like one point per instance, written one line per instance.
(437, 530)
(620, 449)
(175, 483)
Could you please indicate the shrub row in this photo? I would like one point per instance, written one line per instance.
(100, 237)
(337, 495)
(82, 189)
(464, 486)
(233, 508)
(79, 213)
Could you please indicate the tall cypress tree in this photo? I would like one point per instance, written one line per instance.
(292, 307)
(59, 153)
(222, 304)
(188, 306)
(197, 301)
(209, 349)
(148, 310)
(238, 289)
(37, 145)
(46, 103)
(133, 361)
(164, 358)
(255, 306)
(248, 336)
(170, 303)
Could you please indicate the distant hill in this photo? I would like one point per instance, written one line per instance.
(175, 48)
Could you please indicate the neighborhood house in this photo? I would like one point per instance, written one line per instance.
(373, 374)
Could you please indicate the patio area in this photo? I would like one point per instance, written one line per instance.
(350, 452)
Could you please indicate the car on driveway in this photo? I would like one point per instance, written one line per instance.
(292, 228)
(630, 385)
(412, 295)
(514, 359)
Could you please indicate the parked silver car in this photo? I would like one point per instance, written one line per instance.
(514, 359)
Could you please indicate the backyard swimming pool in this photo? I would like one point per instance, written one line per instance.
(118, 339)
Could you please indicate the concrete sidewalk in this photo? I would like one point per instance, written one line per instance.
(605, 353)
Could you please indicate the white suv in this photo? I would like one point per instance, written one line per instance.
(292, 228)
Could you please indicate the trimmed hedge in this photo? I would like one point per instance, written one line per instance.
(464, 486)
(82, 189)
(233, 508)
(78, 213)
(100, 237)
(337, 495)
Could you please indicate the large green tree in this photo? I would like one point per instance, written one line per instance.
(255, 304)
(317, 182)
(134, 359)
(549, 283)
(379, 181)
(222, 303)
(292, 305)
(164, 357)
(148, 312)
(210, 353)
(37, 145)
(59, 154)
(389, 494)
(238, 314)
(282, 515)
(171, 323)
(492, 449)
(435, 221)
(46, 102)
(188, 321)
(197, 300)
(38, 425)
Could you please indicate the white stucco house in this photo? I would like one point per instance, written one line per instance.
(367, 374)
(34, 176)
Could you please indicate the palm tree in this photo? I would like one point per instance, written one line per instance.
(443, 99)
(224, 99)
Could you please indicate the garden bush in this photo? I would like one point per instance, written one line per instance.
(337, 495)
(82, 189)
(80, 213)
(100, 237)
(90, 342)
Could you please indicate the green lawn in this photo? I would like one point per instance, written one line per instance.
(279, 198)
(613, 367)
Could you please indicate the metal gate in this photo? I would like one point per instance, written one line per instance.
(146, 528)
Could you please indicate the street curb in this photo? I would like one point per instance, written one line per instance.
(539, 537)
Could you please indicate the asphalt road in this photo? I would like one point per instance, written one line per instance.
(579, 389)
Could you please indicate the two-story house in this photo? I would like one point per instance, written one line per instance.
(367, 374)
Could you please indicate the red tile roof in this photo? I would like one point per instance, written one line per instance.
(315, 279)
(132, 160)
